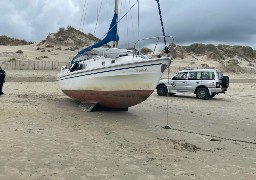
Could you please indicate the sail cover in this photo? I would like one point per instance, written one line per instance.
(111, 36)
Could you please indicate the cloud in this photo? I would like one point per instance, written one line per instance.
(211, 21)
(214, 21)
(33, 20)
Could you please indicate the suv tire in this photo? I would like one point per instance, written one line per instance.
(225, 81)
(162, 90)
(202, 93)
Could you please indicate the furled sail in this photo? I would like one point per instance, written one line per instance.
(111, 36)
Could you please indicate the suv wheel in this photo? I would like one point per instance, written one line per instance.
(162, 90)
(202, 93)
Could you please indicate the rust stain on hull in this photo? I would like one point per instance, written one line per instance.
(111, 99)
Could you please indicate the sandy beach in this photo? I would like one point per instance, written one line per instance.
(46, 135)
(114, 53)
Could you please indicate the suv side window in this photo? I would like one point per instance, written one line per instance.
(207, 76)
(180, 76)
(194, 76)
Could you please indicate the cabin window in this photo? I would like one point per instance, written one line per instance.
(113, 61)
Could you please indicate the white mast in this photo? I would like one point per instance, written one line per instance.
(116, 6)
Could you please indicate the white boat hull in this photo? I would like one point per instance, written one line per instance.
(118, 86)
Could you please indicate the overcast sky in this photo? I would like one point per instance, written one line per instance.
(189, 21)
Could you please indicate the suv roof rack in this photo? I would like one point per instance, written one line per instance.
(189, 68)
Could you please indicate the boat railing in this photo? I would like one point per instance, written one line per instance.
(137, 52)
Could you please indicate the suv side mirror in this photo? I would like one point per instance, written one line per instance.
(174, 78)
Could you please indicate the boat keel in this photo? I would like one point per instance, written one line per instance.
(89, 107)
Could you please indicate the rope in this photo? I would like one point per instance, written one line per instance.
(155, 47)
(167, 122)
(213, 136)
(161, 19)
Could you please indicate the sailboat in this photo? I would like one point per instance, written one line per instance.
(112, 77)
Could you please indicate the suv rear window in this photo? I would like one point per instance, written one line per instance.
(220, 75)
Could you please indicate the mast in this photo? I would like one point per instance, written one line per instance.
(116, 12)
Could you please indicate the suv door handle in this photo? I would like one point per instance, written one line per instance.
(197, 82)
(183, 82)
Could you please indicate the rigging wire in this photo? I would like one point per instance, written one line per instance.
(127, 4)
(122, 17)
(127, 27)
(98, 14)
(84, 13)
(131, 20)
(80, 26)
(120, 12)
(138, 19)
